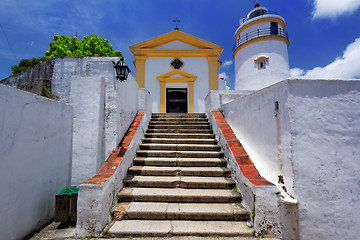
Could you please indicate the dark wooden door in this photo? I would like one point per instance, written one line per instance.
(176, 100)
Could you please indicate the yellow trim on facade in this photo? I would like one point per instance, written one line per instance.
(140, 70)
(148, 48)
(261, 58)
(261, 20)
(214, 65)
(176, 35)
(155, 52)
(166, 78)
(260, 39)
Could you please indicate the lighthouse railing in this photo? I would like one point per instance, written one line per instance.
(243, 38)
(243, 20)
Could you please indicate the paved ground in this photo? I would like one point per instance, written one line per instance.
(56, 231)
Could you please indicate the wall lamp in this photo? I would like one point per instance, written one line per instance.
(122, 71)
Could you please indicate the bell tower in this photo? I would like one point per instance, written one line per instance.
(260, 50)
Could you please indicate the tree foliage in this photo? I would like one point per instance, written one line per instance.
(25, 64)
(64, 46)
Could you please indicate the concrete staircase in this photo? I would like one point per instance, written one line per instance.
(179, 184)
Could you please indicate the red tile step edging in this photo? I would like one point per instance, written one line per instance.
(110, 165)
(242, 158)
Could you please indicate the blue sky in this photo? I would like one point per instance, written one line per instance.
(324, 34)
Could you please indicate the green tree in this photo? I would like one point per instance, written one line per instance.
(64, 46)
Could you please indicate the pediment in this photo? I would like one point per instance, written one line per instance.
(175, 39)
(176, 45)
(177, 75)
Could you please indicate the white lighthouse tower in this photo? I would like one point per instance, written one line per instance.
(260, 50)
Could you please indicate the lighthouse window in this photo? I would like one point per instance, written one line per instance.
(261, 62)
(261, 65)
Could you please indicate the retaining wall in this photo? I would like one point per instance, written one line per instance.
(306, 132)
(103, 107)
(35, 159)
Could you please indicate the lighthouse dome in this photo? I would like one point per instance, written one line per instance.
(257, 11)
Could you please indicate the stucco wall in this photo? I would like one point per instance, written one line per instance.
(33, 79)
(325, 130)
(127, 106)
(247, 74)
(87, 98)
(103, 109)
(313, 142)
(35, 159)
(199, 67)
(97, 196)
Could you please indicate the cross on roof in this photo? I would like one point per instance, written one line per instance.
(176, 21)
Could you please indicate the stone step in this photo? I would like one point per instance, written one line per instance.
(182, 211)
(179, 154)
(165, 130)
(178, 171)
(168, 228)
(179, 115)
(178, 195)
(179, 182)
(179, 141)
(184, 162)
(180, 135)
(178, 122)
(185, 119)
(179, 147)
(187, 126)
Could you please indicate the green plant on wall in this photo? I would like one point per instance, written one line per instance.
(64, 46)
(45, 92)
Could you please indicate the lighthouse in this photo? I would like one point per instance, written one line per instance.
(260, 50)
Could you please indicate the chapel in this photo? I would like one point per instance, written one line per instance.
(179, 70)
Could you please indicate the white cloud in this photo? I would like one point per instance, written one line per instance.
(347, 66)
(227, 63)
(334, 8)
(223, 75)
(296, 72)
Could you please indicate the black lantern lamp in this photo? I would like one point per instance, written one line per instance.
(122, 71)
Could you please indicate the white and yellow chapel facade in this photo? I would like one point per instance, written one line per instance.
(179, 70)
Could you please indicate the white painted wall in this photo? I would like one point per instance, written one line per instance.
(103, 109)
(260, 200)
(247, 74)
(127, 107)
(199, 67)
(96, 200)
(35, 153)
(313, 142)
(87, 98)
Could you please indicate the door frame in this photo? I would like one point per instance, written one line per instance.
(176, 88)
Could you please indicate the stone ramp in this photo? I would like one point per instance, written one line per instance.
(179, 184)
